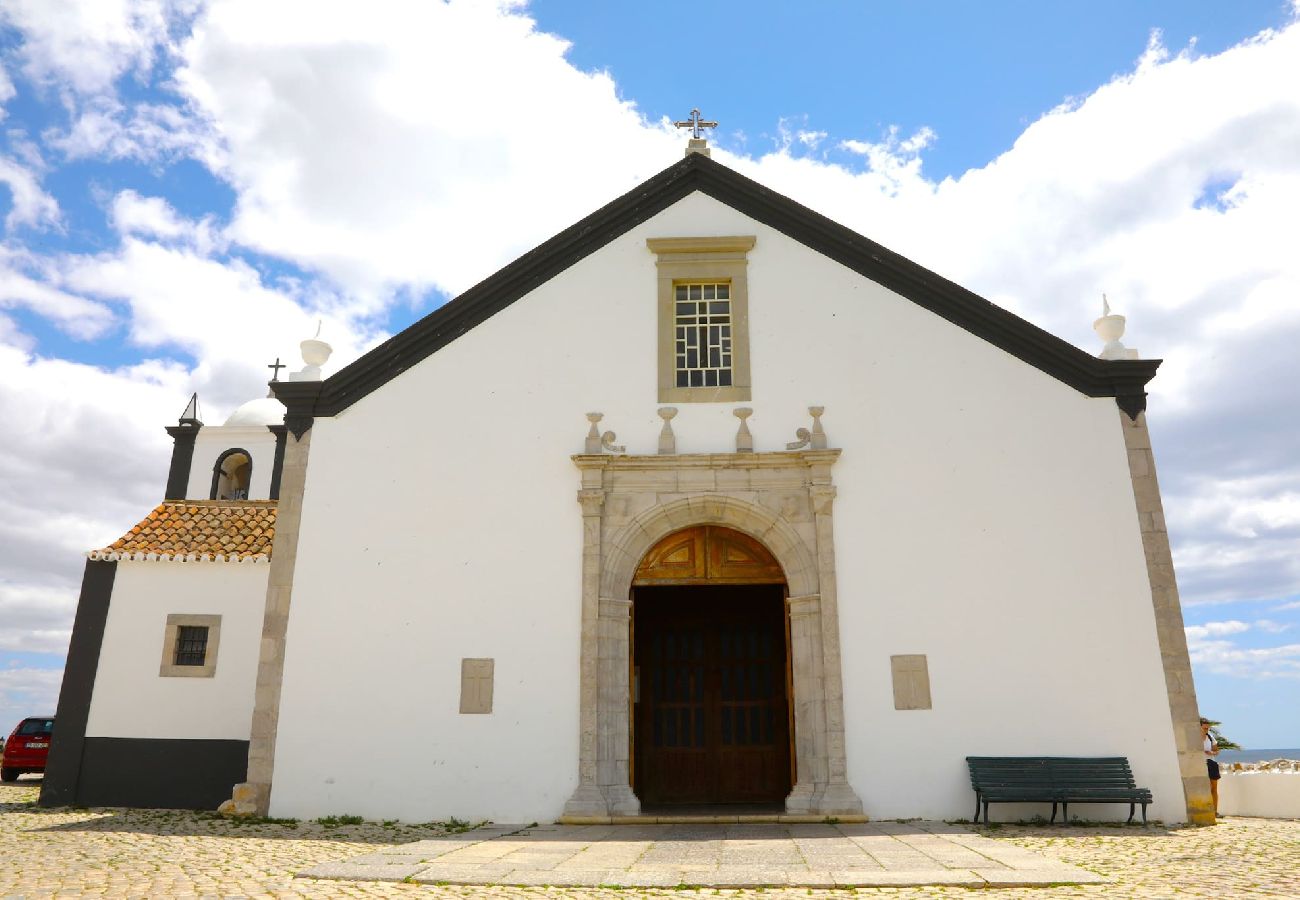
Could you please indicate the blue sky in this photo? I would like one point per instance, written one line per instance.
(178, 169)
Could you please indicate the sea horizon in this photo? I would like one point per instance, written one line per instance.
(1255, 756)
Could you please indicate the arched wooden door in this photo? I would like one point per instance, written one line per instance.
(710, 676)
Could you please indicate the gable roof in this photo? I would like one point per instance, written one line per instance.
(1123, 379)
(199, 530)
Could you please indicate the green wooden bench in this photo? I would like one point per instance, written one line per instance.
(1058, 780)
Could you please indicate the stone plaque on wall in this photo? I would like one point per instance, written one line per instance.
(476, 685)
(911, 681)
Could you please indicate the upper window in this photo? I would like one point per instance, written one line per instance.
(702, 323)
(190, 644)
(703, 318)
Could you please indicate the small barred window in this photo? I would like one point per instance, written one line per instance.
(191, 645)
(702, 326)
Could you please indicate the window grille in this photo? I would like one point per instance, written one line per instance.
(191, 645)
(702, 331)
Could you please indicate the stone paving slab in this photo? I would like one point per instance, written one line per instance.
(739, 855)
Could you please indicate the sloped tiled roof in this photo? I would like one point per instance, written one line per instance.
(199, 531)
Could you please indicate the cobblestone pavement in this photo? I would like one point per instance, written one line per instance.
(151, 853)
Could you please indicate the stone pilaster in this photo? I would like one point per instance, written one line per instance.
(254, 796)
(807, 671)
(838, 796)
(1183, 710)
(614, 728)
(587, 799)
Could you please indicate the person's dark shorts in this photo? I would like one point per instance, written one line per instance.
(1213, 766)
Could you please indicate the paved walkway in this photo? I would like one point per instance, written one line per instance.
(716, 856)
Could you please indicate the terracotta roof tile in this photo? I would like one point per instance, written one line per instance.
(189, 530)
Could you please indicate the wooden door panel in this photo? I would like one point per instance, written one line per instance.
(708, 554)
(712, 718)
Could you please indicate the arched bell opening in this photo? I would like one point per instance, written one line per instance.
(232, 475)
(711, 683)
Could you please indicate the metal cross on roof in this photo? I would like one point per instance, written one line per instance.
(275, 368)
(695, 123)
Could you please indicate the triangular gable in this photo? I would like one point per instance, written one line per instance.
(1123, 379)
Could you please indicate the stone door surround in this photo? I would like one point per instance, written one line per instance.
(782, 499)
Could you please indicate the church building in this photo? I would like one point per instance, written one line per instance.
(707, 502)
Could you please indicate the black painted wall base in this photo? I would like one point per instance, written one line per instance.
(158, 773)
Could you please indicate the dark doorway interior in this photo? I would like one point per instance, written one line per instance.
(712, 719)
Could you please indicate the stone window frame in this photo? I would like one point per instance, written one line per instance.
(703, 259)
(175, 621)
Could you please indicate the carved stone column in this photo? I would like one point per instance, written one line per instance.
(806, 669)
(587, 799)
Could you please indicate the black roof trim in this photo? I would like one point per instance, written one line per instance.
(1123, 379)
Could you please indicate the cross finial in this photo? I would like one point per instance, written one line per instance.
(275, 368)
(695, 123)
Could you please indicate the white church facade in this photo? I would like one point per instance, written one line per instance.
(706, 501)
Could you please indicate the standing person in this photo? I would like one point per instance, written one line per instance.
(1211, 751)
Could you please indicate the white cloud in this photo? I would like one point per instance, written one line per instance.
(88, 45)
(1209, 651)
(7, 89)
(420, 145)
(105, 128)
(78, 317)
(154, 217)
(1215, 629)
(220, 311)
(26, 692)
(30, 204)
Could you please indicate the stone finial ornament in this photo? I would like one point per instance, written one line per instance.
(744, 440)
(1110, 328)
(814, 439)
(667, 440)
(592, 444)
(315, 353)
(818, 438)
(597, 443)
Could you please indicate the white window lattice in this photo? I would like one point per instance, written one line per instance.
(702, 331)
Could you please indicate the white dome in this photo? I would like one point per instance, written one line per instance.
(262, 411)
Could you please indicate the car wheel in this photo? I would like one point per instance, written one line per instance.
(8, 774)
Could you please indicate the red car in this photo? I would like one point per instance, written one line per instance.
(27, 747)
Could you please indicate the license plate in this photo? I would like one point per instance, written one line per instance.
(37, 745)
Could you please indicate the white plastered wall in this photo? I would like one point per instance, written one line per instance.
(214, 440)
(131, 700)
(985, 519)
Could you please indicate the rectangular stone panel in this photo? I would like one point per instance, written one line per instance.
(476, 685)
(911, 681)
